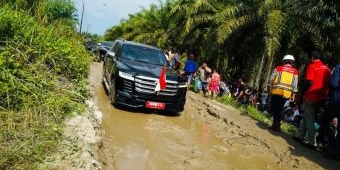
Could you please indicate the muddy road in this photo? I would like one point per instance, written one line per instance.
(207, 136)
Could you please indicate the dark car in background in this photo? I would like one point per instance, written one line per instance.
(103, 48)
(90, 45)
(130, 74)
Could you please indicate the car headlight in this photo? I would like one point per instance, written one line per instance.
(126, 75)
(182, 84)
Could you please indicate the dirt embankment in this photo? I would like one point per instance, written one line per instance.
(81, 141)
(244, 143)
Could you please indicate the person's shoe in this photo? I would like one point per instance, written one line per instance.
(298, 140)
(276, 126)
(309, 146)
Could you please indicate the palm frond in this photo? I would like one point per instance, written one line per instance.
(230, 26)
(227, 12)
(274, 27)
(201, 5)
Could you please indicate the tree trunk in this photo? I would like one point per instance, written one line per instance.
(259, 73)
(269, 69)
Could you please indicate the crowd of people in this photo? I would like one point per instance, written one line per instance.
(315, 112)
(318, 86)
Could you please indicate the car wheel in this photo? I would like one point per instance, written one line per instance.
(99, 57)
(172, 112)
(177, 113)
(112, 92)
(103, 80)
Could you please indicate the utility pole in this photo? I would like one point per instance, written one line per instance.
(81, 20)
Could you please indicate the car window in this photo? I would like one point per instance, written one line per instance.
(115, 48)
(107, 44)
(143, 54)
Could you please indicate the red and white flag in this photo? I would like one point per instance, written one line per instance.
(161, 82)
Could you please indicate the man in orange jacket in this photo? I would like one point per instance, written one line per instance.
(282, 86)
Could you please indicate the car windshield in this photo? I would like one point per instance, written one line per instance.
(143, 54)
(107, 44)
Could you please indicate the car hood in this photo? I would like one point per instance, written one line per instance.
(146, 69)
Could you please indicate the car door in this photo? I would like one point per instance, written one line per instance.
(108, 62)
(114, 55)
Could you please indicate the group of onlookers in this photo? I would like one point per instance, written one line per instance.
(316, 121)
(207, 80)
(318, 85)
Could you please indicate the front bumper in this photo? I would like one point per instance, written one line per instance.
(173, 104)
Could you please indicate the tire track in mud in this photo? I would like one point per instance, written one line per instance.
(242, 132)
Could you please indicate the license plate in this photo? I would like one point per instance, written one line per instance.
(154, 105)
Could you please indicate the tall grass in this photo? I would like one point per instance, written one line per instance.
(42, 82)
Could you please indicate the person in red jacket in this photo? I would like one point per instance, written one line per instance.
(317, 77)
(282, 86)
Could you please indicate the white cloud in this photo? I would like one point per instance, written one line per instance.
(100, 15)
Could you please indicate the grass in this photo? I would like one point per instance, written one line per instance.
(42, 82)
(253, 112)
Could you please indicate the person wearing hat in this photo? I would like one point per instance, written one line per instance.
(282, 86)
(317, 77)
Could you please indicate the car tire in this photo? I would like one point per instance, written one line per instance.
(177, 113)
(112, 93)
(99, 57)
(174, 113)
(103, 81)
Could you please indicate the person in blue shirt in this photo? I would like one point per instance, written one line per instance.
(190, 68)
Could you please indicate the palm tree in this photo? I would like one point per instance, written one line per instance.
(148, 26)
(221, 24)
(239, 17)
(319, 20)
(193, 20)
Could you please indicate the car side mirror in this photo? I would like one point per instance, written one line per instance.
(111, 55)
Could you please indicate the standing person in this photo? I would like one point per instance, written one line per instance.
(241, 91)
(317, 77)
(332, 127)
(282, 86)
(204, 72)
(190, 68)
(214, 84)
(173, 58)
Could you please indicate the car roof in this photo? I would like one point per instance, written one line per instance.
(138, 44)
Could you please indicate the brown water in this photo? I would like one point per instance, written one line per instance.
(140, 140)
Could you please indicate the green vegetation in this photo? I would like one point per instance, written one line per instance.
(43, 67)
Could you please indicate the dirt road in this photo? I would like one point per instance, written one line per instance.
(207, 135)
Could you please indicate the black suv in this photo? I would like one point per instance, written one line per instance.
(104, 47)
(130, 74)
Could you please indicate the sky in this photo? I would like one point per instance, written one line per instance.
(100, 15)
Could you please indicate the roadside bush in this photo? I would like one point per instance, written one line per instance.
(42, 81)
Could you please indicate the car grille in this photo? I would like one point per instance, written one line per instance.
(127, 85)
(147, 85)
